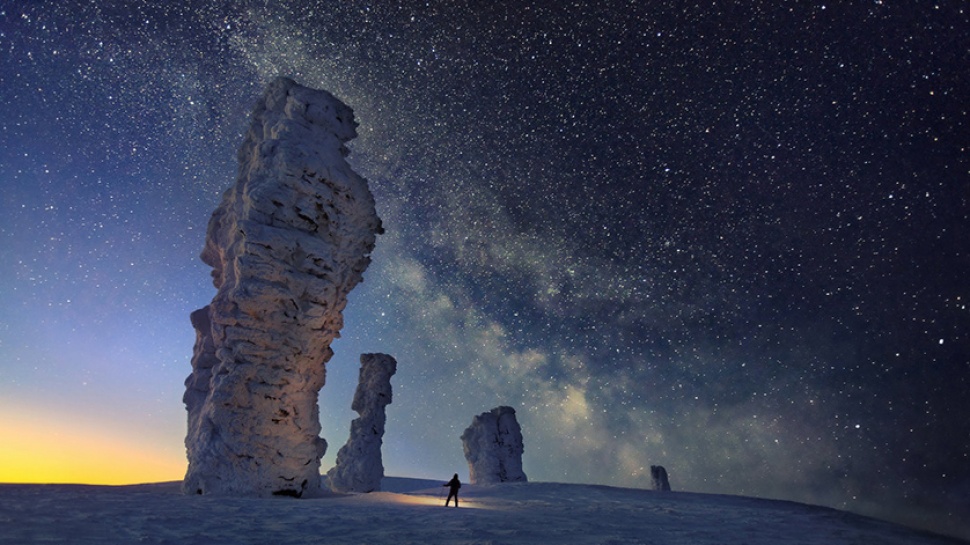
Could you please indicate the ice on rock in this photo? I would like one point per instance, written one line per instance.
(359, 467)
(658, 477)
(287, 243)
(493, 447)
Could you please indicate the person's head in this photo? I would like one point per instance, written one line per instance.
(456, 476)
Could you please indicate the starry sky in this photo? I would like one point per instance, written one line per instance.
(726, 239)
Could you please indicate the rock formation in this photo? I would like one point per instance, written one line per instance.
(287, 243)
(493, 447)
(658, 477)
(359, 467)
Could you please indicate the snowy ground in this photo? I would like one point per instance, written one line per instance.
(410, 511)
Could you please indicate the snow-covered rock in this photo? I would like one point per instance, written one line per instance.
(359, 467)
(287, 243)
(658, 478)
(493, 447)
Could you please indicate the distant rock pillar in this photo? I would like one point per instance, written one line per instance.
(658, 478)
(359, 467)
(493, 447)
(286, 245)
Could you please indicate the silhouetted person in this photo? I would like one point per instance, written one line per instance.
(453, 485)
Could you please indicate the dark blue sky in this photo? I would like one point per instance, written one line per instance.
(729, 240)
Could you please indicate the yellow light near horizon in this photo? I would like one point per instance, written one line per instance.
(33, 451)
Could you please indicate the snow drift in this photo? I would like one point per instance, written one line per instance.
(414, 513)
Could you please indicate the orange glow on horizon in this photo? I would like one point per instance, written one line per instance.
(35, 450)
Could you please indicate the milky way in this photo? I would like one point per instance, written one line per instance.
(726, 240)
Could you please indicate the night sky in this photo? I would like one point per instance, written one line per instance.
(729, 240)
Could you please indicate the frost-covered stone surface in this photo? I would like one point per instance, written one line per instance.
(359, 466)
(287, 243)
(658, 478)
(493, 447)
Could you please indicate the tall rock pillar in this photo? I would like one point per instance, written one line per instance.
(287, 243)
(359, 466)
(493, 447)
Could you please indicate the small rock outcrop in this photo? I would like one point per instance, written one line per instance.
(287, 243)
(359, 466)
(658, 478)
(493, 447)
